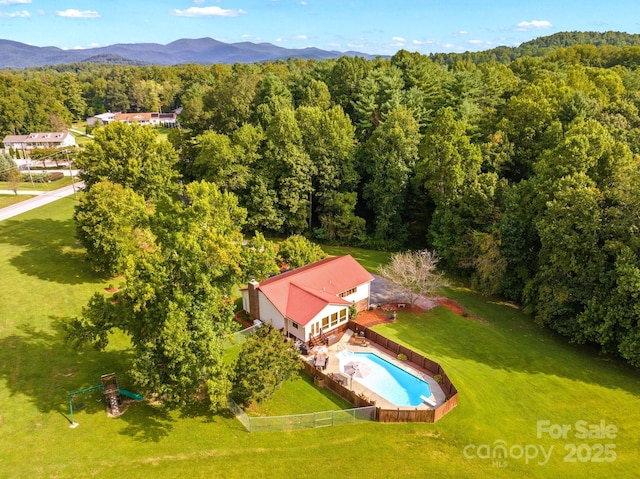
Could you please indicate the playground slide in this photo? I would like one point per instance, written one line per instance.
(130, 394)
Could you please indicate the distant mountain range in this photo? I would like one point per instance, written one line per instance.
(202, 50)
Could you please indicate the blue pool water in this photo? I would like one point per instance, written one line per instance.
(391, 382)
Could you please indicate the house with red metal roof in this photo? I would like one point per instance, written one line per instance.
(310, 300)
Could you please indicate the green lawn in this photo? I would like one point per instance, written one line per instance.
(8, 200)
(40, 186)
(510, 375)
(370, 259)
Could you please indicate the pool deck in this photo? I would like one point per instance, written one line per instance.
(333, 366)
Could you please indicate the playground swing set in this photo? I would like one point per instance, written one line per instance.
(111, 393)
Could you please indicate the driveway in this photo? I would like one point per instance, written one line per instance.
(40, 200)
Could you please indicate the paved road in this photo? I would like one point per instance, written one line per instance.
(42, 199)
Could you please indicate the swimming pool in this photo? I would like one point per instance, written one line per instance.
(389, 381)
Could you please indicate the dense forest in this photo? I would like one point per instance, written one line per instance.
(522, 174)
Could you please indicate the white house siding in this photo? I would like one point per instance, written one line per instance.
(70, 140)
(245, 300)
(269, 313)
(316, 323)
(361, 295)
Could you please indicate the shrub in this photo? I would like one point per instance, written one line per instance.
(55, 176)
(353, 311)
(266, 359)
(402, 357)
(438, 378)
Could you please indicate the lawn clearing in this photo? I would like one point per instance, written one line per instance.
(369, 259)
(39, 185)
(8, 200)
(299, 396)
(509, 372)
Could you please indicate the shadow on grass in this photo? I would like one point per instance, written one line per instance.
(40, 366)
(510, 341)
(49, 251)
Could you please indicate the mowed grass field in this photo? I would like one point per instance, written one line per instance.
(510, 374)
(11, 199)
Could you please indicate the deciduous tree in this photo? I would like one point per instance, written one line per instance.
(266, 360)
(414, 274)
(131, 156)
(174, 301)
(297, 251)
(112, 223)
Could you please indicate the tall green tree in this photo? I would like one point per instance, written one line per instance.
(297, 251)
(381, 92)
(328, 139)
(174, 301)
(288, 166)
(218, 161)
(132, 156)
(388, 158)
(112, 223)
(570, 257)
(448, 159)
(259, 259)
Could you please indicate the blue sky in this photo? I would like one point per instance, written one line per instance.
(368, 26)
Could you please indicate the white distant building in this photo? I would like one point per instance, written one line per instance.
(143, 118)
(52, 139)
(103, 118)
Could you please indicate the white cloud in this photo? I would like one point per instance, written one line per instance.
(463, 32)
(207, 12)
(304, 4)
(20, 14)
(422, 42)
(300, 37)
(533, 24)
(14, 2)
(398, 39)
(476, 42)
(73, 13)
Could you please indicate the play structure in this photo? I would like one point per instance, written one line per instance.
(111, 393)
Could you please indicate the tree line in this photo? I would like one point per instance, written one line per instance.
(522, 176)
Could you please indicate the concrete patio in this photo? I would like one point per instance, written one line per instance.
(334, 366)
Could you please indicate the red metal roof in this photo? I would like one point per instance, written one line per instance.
(300, 294)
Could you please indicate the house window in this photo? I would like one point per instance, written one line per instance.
(334, 319)
(325, 322)
(314, 329)
(348, 292)
(343, 315)
(295, 325)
